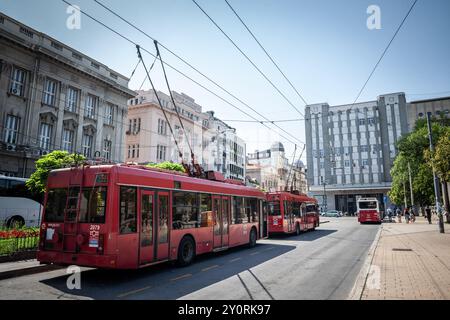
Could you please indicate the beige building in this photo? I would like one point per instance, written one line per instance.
(272, 171)
(418, 109)
(148, 138)
(52, 97)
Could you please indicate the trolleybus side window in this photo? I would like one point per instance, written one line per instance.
(296, 209)
(93, 205)
(56, 203)
(274, 208)
(254, 209)
(241, 210)
(185, 210)
(205, 217)
(128, 211)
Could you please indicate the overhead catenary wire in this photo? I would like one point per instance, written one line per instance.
(265, 51)
(294, 163)
(180, 153)
(195, 69)
(383, 54)
(247, 58)
(178, 71)
(290, 169)
(158, 54)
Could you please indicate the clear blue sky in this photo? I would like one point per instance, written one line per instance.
(324, 47)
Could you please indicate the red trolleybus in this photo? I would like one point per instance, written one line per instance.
(126, 217)
(368, 210)
(291, 213)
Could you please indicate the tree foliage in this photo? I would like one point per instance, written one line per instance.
(413, 149)
(440, 159)
(54, 160)
(167, 166)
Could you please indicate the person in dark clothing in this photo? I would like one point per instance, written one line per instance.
(428, 214)
(406, 213)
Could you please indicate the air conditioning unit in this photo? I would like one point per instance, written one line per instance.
(43, 152)
(11, 147)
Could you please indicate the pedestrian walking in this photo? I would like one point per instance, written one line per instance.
(389, 213)
(412, 215)
(428, 214)
(406, 213)
(399, 215)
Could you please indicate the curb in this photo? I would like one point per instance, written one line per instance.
(27, 271)
(360, 283)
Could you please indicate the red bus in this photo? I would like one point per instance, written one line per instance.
(291, 213)
(368, 210)
(127, 217)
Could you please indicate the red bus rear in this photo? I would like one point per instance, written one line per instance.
(127, 217)
(368, 210)
(291, 213)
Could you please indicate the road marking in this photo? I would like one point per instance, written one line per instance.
(133, 292)
(235, 259)
(256, 252)
(269, 248)
(211, 267)
(187, 275)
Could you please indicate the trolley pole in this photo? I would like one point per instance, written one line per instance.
(411, 188)
(437, 192)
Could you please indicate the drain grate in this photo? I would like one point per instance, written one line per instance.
(401, 249)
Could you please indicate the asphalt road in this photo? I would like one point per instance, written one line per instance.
(320, 264)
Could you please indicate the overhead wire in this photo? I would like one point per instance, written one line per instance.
(178, 71)
(195, 69)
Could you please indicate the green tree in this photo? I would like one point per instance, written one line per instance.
(440, 160)
(167, 166)
(54, 160)
(413, 150)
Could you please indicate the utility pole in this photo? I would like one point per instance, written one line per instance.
(404, 194)
(437, 192)
(324, 203)
(411, 188)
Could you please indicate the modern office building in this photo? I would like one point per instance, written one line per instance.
(351, 148)
(52, 97)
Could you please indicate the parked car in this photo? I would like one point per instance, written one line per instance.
(333, 213)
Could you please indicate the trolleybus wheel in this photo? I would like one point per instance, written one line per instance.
(252, 240)
(186, 251)
(297, 229)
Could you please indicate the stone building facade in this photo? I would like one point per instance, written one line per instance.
(52, 97)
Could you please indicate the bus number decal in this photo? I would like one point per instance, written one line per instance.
(94, 232)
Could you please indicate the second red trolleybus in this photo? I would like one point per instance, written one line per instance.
(127, 217)
(368, 210)
(291, 212)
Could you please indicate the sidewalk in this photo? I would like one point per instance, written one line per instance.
(411, 261)
(24, 267)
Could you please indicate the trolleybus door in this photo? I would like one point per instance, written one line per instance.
(263, 219)
(221, 209)
(225, 220)
(163, 223)
(288, 215)
(147, 222)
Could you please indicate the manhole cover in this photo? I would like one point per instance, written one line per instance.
(401, 249)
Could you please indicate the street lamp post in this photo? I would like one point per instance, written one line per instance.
(437, 192)
(324, 201)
